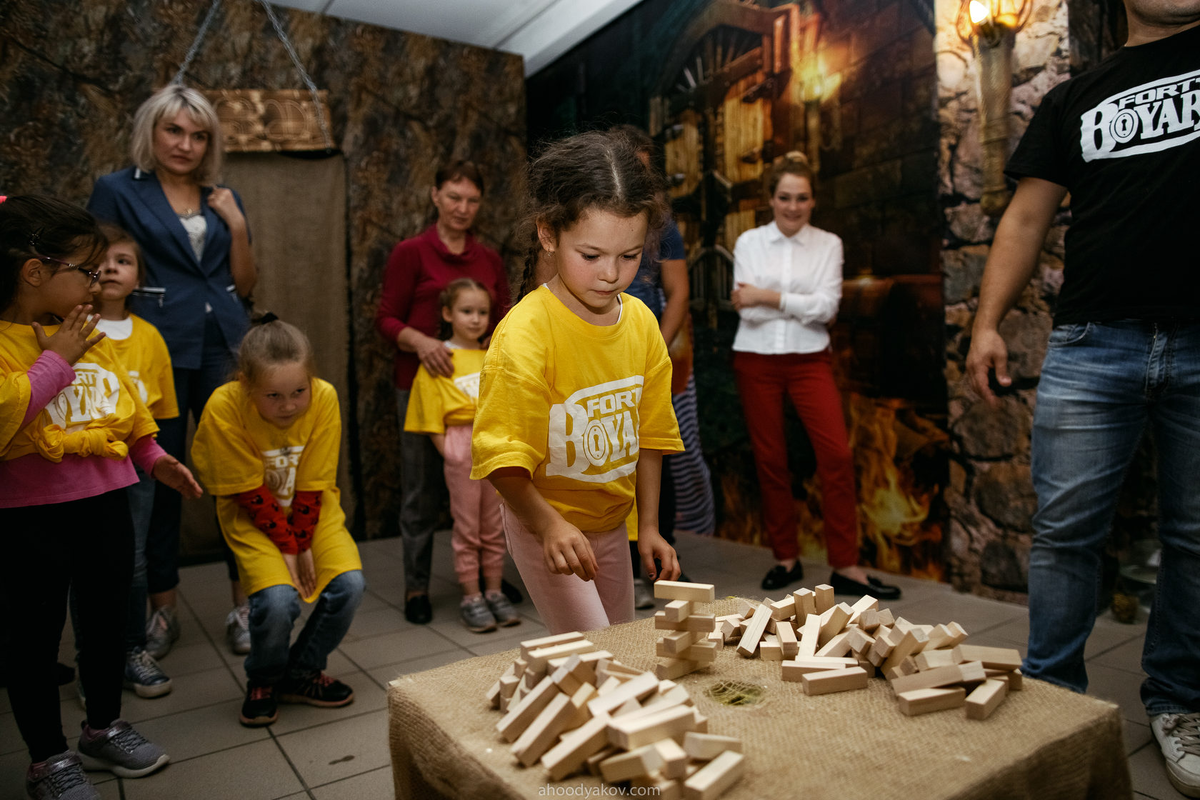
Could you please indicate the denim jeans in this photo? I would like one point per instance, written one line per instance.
(1102, 386)
(273, 612)
(422, 489)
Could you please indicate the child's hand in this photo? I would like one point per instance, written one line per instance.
(652, 545)
(74, 337)
(169, 471)
(307, 572)
(292, 562)
(568, 551)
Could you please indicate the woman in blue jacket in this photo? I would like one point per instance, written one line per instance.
(199, 272)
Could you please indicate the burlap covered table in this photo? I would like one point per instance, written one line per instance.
(1043, 742)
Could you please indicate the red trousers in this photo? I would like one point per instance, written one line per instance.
(763, 381)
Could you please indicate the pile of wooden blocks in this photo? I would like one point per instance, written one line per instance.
(573, 708)
(967, 675)
(692, 641)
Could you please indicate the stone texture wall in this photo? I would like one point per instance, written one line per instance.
(72, 74)
(990, 494)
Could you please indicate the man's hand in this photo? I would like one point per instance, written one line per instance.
(988, 352)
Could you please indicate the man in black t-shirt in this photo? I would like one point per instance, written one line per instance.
(1124, 355)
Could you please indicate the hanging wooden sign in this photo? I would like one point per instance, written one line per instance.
(259, 120)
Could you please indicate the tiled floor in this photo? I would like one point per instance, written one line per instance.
(336, 754)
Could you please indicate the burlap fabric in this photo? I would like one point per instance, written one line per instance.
(1043, 742)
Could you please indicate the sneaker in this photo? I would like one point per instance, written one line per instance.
(237, 629)
(260, 707)
(642, 596)
(418, 610)
(162, 630)
(144, 675)
(121, 750)
(315, 689)
(1179, 737)
(59, 777)
(506, 616)
(476, 615)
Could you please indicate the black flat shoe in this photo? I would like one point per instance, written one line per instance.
(511, 592)
(418, 610)
(780, 576)
(874, 587)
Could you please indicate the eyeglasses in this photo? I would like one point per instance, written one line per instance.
(93, 274)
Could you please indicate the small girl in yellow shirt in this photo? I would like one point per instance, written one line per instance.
(267, 448)
(444, 408)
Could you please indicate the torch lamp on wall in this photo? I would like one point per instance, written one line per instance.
(990, 27)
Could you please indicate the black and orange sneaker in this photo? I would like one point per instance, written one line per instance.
(260, 708)
(315, 689)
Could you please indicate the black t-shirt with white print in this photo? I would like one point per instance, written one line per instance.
(1124, 138)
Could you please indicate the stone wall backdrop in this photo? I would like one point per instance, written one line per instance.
(72, 75)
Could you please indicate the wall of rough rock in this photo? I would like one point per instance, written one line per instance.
(72, 75)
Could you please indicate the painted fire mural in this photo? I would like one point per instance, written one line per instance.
(726, 87)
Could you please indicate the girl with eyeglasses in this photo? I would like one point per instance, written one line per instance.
(72, 428)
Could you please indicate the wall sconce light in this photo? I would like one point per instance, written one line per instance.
(990, 27)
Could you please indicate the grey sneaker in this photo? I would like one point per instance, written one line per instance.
(79, 695)
(476, 615)
(162, 630)
(506, 616)
(121, 750)
(144, 675)
(1179, 737)
(59, 777)
(237, 629)
(642, 596)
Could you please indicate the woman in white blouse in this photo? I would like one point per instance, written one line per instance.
(787, 279)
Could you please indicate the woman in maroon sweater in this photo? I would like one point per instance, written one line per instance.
(410, 316)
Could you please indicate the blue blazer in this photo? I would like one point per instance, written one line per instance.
(177, 285)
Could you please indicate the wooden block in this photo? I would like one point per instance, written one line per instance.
(707, 746)
(990, 657)
(860, 641)
(796, 668)
(823, 597)
(903, 625)
(770, 651)
(702, 623)
(909, 645)
(832, 625)
(570, 754)
(609, 685)
(661, 702)
(868, 666)
(771, 623)
(957, 636)
(924, 701)
(929, 679)
(908, 666)
(619, 669)
(836, 647)
(788, 643)
(658, 785)
(674, 668)
(674, 758)
(537, 738)
(539, 658)
(493, 695)
(591, 658)
(865, 603)
(701, 653)
(677, 610)
(754, 631)
(782, 609)
(508, 685)
(809, 634)
(622, 767)
(869, 621)
(986, 698)
(873, 656)
(834, 680)
(886, 617)
(715, 777)
(806, 603)
(678, 590)
(717, 638)
(1012, 677)
(635, 689)
(701, 722)
(675, 643)
(973, 672)
(530, 645)
(933, 659)
(593, 761)
(514, 723)
(643, 730)
(746, 607)
(938, 636)
(566, 680)
(630, 706)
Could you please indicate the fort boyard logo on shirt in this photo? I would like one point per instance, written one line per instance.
(593, 434)
(280, 472)
(93, 395)
(1145, 119)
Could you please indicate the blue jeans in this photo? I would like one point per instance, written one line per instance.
(273, 612)
(1102, 385)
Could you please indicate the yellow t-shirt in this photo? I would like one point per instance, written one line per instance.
(99, 414)
(145, 357)
(573, 403)
(437, 403)
(235, 450)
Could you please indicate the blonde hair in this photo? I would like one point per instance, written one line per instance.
(167, 102)
(793, 163)
(270, 345)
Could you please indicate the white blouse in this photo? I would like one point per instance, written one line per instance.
(806, 269)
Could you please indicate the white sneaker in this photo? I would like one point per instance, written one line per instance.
(1179, 737)
(237, 629)
(642, 596)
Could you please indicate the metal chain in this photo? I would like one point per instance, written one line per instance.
(312, 87)
(191, 54)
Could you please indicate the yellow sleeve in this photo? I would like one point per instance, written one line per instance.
(317, 469)
(15, 393)
(166, 406)
(227, 462)
(143, 421)
(426, 411)
(512, 417)
(658, 428)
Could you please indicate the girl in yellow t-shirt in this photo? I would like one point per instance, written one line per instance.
(267, 448)
(444, 408)
(575, 396)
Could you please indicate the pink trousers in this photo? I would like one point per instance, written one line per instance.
(478, 534)
(566, 602)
